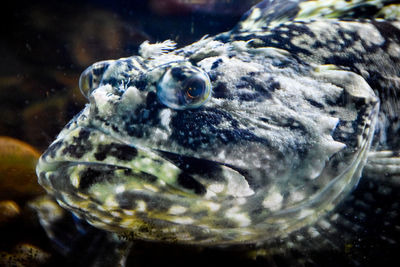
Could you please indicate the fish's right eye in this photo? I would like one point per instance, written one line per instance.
(91, 77)
(184, 87)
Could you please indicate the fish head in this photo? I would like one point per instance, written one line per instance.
(216, 142)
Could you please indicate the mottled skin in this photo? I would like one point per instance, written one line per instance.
(296, 99)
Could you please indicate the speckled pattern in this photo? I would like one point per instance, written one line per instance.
(297, 95)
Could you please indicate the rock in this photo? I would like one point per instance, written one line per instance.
(17, 169)
(24, 254)
(9, 210)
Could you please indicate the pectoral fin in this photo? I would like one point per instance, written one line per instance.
(385, 163)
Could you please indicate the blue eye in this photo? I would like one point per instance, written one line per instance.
(184, 87)
(195, 88)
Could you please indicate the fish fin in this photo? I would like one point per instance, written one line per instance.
(147, 50)
(362, 231)
(385, 163)
(270, 13)
(77, 242)
(387, 87)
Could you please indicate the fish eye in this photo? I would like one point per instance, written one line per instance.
(194, 88)
(86, 82)
(184, 88)
(91, 77)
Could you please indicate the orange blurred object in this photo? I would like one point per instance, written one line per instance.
(17, 169)
(8, 210)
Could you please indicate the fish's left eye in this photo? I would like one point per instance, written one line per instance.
(184, 88)
(91, 77)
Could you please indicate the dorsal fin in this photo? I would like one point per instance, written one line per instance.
(270, 13)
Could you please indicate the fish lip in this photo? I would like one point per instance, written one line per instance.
(174, 158)
(146, 162)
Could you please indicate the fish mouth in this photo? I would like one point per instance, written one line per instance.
(101, 152)
(120, 187)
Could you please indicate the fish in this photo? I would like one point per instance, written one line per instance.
(253, 137)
